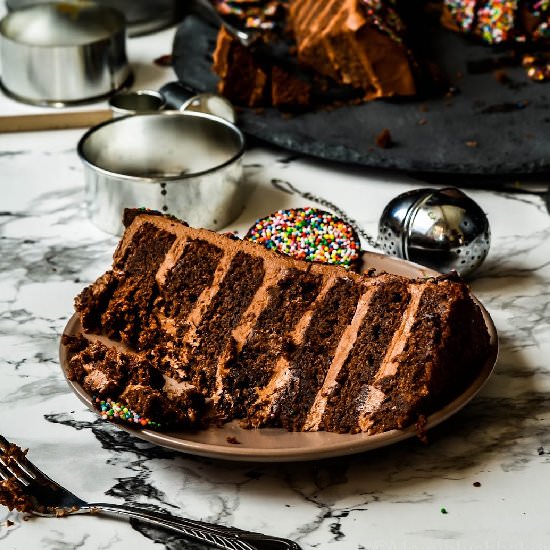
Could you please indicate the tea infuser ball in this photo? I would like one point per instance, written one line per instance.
(442, 229)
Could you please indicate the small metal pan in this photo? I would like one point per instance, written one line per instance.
(185, 164)
(60, 54)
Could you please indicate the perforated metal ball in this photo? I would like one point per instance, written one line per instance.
(442, 229)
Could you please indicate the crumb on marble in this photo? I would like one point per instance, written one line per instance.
(164, 60)
(421, 432)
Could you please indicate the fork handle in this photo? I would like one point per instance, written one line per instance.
(227, 538)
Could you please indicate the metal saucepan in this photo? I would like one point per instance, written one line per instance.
(185, 164)
(142, 16)
(61, 54)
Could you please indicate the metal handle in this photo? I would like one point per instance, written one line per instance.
(210, 13)
(227, 538)
(175, 94)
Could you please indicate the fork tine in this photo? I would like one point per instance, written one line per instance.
(19, 457)
(15, 461)
(42, 494)
(12, 469)
(4, 474)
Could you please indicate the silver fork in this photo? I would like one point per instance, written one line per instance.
(49, 499)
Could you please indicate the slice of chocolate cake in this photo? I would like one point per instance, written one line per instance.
(249, 81)
(242, 79)
(356, 42)
(218, 329)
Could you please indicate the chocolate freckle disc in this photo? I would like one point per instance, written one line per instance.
(308, 234)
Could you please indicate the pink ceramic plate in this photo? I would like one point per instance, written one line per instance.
(277, 445)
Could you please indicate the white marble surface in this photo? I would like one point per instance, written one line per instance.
(408, 496)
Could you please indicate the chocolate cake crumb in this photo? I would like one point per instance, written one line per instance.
(501, 76)
(384, 139)
(421, 429)
(476, 484)
(164, 60)
(13, 497)
(233, 440)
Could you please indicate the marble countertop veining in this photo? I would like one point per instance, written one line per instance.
(482, 482)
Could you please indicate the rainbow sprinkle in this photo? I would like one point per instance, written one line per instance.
(112, 410)
(495, 21)
(463, 12)
(537, 67)
(308, 234)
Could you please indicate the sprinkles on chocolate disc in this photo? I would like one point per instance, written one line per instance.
(308, 234)
(112, 410)
(497, 21)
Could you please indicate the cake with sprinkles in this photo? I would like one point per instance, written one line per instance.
(522, 24)
(500, 21)
(308, 234)
(192, 327)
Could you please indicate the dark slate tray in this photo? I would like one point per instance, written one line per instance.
(487, 128)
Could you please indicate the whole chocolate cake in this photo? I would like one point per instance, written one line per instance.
(375, 47)
(216, 329)
(357, 43)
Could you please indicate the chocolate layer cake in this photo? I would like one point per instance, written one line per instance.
(356, 43)
(217, 329)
